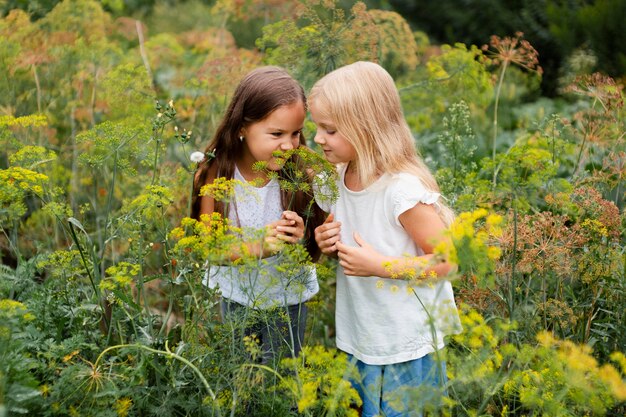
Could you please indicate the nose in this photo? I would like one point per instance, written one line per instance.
(319, 139)
(287, 144)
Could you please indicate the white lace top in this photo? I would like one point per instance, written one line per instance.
(378, 320)
(274, 280)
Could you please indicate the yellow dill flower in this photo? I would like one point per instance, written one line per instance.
(12, 308)
(73, 411)
(620, 359)
(122, 406)
(545, 339)
(380, 284)
(222, 189)
(493, 252)
(614, 380)
(309, 395)
(69, 357)
(177, 233)
(595, 226)
(34, 120)
(394, 288)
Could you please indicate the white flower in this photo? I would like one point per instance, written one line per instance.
(197, 157)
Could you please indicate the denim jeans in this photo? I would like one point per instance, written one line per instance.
(400, 389)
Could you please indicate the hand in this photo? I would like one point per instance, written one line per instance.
(290, 227)
(362, 260)
(327, 235)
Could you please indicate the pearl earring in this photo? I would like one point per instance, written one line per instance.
(241, 138)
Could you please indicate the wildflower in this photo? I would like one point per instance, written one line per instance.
(122, 405)
(309, 395)
(70, 356)
(197, 157)
(513, 50)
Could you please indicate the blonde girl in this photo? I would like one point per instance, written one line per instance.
(265, 115)
(383, 229)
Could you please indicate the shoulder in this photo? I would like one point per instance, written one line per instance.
(407, 186)
(406, 191)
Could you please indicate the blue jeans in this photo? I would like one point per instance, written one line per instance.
(401, 389)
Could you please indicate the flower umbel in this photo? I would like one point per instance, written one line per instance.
(513, 50)
(196, 157)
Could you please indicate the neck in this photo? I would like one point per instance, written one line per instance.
(351, 178)
(258, 177)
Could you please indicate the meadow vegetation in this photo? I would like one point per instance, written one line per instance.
(102, 307)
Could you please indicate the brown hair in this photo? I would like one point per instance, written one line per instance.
(259, 93)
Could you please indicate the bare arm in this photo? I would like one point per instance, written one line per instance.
(426, 229)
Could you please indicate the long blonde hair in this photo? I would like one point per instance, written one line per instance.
(362, 101)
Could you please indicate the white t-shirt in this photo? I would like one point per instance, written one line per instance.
(381, 321)
(272, 281)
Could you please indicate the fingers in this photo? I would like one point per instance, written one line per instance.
(273, 244)
(358, 239)
(292, 215)
(291, 227)
(327, 235)
(327, 229)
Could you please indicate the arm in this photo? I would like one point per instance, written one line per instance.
(426, 229)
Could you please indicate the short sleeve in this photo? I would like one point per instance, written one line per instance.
(406, 192)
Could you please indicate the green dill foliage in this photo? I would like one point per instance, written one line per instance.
(321, 38)
(110, 146)
(19, 387)
(318, 383)
(458, 144)
(303, 170)
(104, 310)
(457, 74)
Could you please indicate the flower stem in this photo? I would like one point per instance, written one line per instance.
(495, 120)
(167, 353)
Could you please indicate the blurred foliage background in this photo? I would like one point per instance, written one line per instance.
(102, 310)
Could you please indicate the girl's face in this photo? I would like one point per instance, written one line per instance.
(280, 131)
(335, 146)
